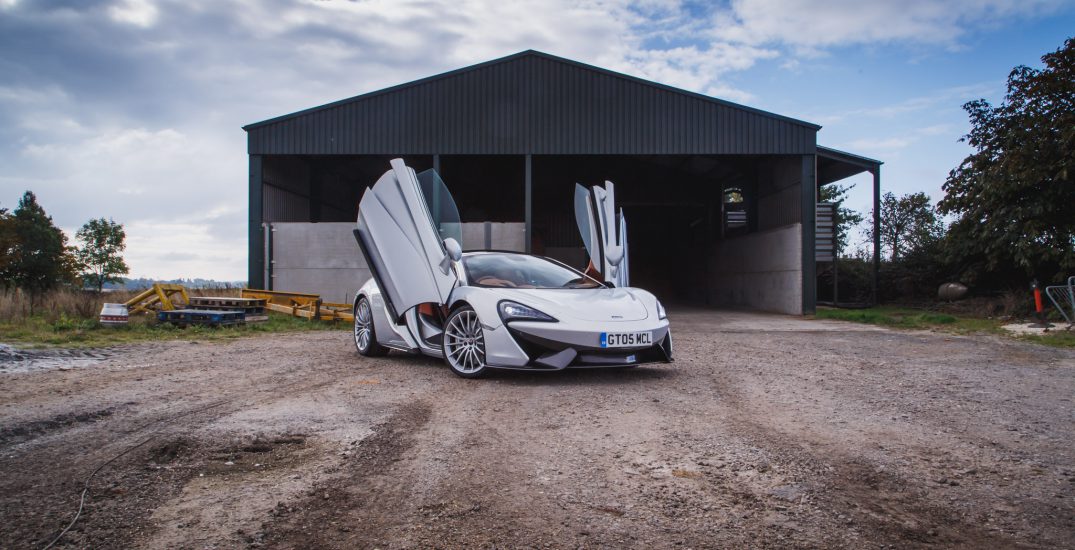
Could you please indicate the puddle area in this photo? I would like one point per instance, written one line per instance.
(14, 360)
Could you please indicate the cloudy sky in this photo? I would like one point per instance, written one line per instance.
(132, 109)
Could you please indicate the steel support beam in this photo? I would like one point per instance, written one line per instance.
(529, 204)
(256, 246)
(809, 233)
(267, 232)
(876, 231)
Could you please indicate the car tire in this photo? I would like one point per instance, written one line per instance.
(463, 342)
(364, 332)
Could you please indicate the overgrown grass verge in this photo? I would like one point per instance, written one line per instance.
(76, 332)
(1057, 338)
(908, 318)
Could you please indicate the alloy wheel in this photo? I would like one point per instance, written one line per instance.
(363, 322)
(464, 343)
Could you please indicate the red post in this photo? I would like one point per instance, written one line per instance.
(1039, 309)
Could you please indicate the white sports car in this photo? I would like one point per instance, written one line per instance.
(482, 310)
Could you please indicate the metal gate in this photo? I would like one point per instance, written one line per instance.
(1063, 297)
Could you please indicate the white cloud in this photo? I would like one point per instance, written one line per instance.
(140, 13)
(882, 145)
(694, 68)
(414, 38)
(177, 195)
(940, 98)
(936, 130)
(31, 95)
(165, 250)
(810, 25)
(893, 145)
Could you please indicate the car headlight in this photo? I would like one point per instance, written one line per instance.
(514, 311)
(661, 313)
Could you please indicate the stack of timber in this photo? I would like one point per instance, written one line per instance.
(298, 304)
(211, 318)
(253, 308)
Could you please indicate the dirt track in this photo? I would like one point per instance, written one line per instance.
(767, 431)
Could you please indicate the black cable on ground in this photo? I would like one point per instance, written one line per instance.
(86, 483)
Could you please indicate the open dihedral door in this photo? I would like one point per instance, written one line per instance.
(403, 243)
(604, 231)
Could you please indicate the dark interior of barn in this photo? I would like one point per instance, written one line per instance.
(677, 207)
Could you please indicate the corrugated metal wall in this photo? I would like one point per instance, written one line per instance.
(285, 191)
(537, 104)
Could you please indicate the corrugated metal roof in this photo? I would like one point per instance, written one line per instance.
(834, 165)
(535, 103)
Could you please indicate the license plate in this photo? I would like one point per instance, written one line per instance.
(626, 339)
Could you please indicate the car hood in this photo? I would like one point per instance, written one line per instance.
(586, 304)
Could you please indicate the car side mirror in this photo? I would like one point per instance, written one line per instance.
(614, 254)
(455, 252)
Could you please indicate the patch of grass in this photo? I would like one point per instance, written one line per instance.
(898, 317)
(1056, 338)
(908, 318)
(67, 331)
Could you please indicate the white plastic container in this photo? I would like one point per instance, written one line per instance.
(114, 315)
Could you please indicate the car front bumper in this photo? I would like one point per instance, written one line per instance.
(557, 346)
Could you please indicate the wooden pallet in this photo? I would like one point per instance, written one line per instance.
(212, 318)
(227, 302)
(254, 308)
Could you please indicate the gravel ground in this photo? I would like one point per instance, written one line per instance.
(767, 431)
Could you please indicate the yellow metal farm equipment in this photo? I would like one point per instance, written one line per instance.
(161, 295)
(298, 304)
(170, 297)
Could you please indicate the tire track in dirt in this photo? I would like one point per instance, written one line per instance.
(121, 496)
(856, 493)
(365, 499)
(26, 431)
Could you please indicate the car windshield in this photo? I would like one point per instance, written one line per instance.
(507, 270)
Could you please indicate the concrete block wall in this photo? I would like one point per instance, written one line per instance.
(319, 258)
(759, 270)
(499, 236)
(324, 258)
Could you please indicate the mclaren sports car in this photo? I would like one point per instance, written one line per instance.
(486, 310)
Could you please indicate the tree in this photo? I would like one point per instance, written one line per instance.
(7, 248)
(846, 218)
(40, 259)
(908, 224)
(1015, 195)
(100, 254)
